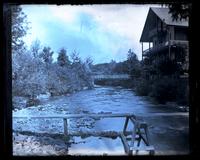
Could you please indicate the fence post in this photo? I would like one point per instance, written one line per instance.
(65, 126)
(125, 125)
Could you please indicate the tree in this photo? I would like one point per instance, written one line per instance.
(35, 47)
(132, 62)
(75, 57)
(63, 59)
(132, 56)
(180, 10)
(31, 79)
(89, 61)
(47, 55)
(19, 28)
(88, 64)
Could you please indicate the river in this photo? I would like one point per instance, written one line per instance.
(169, 134)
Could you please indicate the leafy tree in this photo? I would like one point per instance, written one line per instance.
(132, 63)
(19, 28)
(31, 76)
(63, 59)
(47, 55)
(132, 56)
(75, 57)
(180, 10)
(121, 68)
(89, 61)
(35, 47)
(88, 64)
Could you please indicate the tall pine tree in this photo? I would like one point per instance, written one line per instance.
(63, 59)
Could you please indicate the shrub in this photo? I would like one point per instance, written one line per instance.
(182, 96)
(164, 89)
(142, 87)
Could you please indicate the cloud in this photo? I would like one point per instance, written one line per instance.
(103, 32)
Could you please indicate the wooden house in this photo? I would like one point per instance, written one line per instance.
(165, 37)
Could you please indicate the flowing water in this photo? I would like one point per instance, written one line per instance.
(169, 134)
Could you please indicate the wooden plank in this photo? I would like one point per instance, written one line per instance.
(65, 126)
(125, 125)
(145, 148)
(145, 141)
(105, 115)
(133, 120)
(111, 134)
(147, 134)
(144, 126)
(79, 116)
(125, 144)
(150, 115)
(133, 135)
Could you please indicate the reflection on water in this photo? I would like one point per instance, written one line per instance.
(167, 133)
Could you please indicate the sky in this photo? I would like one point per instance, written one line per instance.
(101, 32)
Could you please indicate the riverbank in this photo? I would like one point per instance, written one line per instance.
(39, 145)
(20, 102)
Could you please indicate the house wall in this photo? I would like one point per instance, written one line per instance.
(171, 32)
(181, 33)
(160, 36)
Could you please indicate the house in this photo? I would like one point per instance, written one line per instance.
(165, 37)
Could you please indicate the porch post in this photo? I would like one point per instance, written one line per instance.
(142, 51)
(65, 126)
(149, 46)
(169, 38)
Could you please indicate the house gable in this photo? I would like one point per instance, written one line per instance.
(155, 17)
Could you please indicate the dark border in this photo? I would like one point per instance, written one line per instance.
(6, 84)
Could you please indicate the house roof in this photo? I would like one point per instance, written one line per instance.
(164, 15)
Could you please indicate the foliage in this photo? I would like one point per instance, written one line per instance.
(63, 59)
(142, 86)
(182, 96)
(28, 81)
(18, 29)
(46, 55)
(164, 89)
(75, 58)
(165, 66)
(132, 57)
(121, 68)
(89, 61)
(158, 77)
(35, 47)
(34, 77)
(34, 71)
(180, 10)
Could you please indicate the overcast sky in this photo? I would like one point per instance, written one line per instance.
(102, 32)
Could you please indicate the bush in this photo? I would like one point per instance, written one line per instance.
(164, 90)
(182, 96)
(33, 102)
(142, 87)
(19, 102)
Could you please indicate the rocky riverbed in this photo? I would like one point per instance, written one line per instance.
(41, 145)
